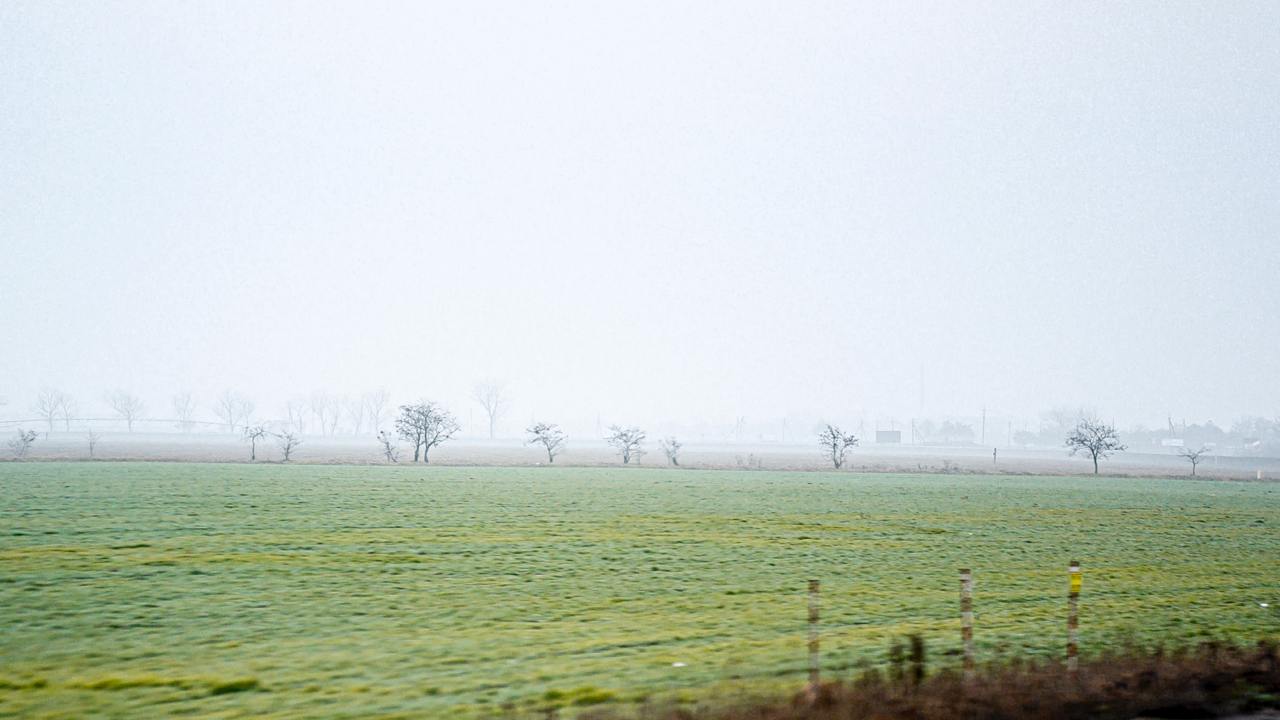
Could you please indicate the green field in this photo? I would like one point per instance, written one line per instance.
(235, 590)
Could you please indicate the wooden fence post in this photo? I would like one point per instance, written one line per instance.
(966, 620)
(1073, 618)
(814, 675)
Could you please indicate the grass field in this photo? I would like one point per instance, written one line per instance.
(232, 590)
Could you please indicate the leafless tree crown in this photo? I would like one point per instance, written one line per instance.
(355, 410)
(375, 404)
(1096, 439)
(296, 412)
(233, 409)
(390, 451)
(671, 448)
(127, 405)
(549, 436)
(628, 441)
(1193, 456)
(21, 443)
(254, 433)
(184, 410)
(288, 442)
(52, 404)
(493, 397)
(836, 443)
(426, 425)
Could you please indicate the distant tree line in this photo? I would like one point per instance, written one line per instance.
(426, 425)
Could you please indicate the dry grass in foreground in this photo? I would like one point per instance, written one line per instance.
(1211, 680)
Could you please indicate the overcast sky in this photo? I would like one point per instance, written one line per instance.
(651, 212)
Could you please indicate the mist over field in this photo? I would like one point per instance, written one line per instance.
(659, 213)
(658, 360)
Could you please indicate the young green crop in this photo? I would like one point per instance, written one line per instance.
(185, 588)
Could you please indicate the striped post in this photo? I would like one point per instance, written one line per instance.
(813, 635)
(966, 620)
(1073, 618)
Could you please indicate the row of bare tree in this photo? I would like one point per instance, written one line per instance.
(320, 413)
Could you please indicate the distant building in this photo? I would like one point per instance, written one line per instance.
(888, 437)
(1173, 442)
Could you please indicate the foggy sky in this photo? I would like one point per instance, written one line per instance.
(646, 211)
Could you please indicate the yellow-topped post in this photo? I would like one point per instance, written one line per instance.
(1073, 618)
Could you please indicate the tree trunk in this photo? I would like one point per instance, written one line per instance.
(491, 426)
(1095, 464)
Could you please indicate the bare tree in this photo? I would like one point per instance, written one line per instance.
(233, 409)
(288, 442)
(20, 444)
(127, 405)
(296, 410)
(355, 410)
(68, 411)
(254, 433)
(184, 410)
(627, 441)
(390, 450)
(492, 396)
(48, 405)
(375, 407)
(836, 443)
(426, 425)
(334, 415)
(319, 404)
(549, 436)
(1193, 456)
(93, 439)
(671, 447)
(1096, 439)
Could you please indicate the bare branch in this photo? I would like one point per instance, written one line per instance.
(671, 448)
(184, 409)
(549, 436)
(390, 450)
(1096, 439)
(21, 443)
(288, 442)
(836, 443)
(1193, 456)
(127, 405)
(426, 425)
(375, 407)
(492, 396)
(627, 441)
(254, 433)
(233, 410)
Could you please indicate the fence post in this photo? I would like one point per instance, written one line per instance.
(966, 620)
(1073, 618)
(813, 635)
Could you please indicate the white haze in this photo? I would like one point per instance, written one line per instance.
(646, 212)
